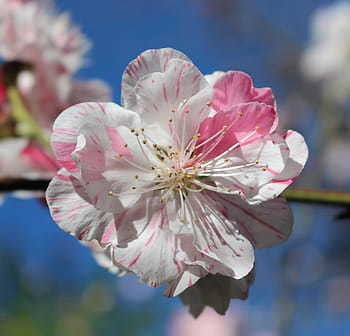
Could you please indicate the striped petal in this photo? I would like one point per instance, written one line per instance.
(151, 256)
(265, 225)
(72, 213)
(148, 62)
(176, 99)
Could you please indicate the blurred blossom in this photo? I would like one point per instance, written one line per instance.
(327, 58)
(208, 324)
(336, 162)
(338, 294)
(40, 52)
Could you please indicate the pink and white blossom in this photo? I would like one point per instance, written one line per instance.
(40, 51)
(327, 58)
(183, 180)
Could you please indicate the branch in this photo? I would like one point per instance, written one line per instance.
(325, 197)
(10, 185)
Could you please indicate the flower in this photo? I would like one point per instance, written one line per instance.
(327, 58)
(41, 52)
(183, 180)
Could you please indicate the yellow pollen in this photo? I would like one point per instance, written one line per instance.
(209, 103)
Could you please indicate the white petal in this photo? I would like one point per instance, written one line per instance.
(220, 240)
(180, 88)
(72, 213)
(148, 62)
(151, 256)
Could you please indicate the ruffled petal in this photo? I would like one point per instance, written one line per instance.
(242, 125)
(212, 78)
(235, 88)
(148, 62)
(265, 225)
(152, 255)
(72, 213)
(229, 252)
(177, 99)
(93, 117)
(102, 146)
(295, 146)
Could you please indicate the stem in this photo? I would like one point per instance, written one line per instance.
(325, 197)
(22, 116)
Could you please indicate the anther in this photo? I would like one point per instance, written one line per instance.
(136, 177)
(125, 145)
(209, 103)
(144, 142)
(142, 129)
(132, 130)
(133, 188)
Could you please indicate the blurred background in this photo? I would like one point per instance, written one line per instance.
(50, 285)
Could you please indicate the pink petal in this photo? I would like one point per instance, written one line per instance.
(247, 121)
(235, 88)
